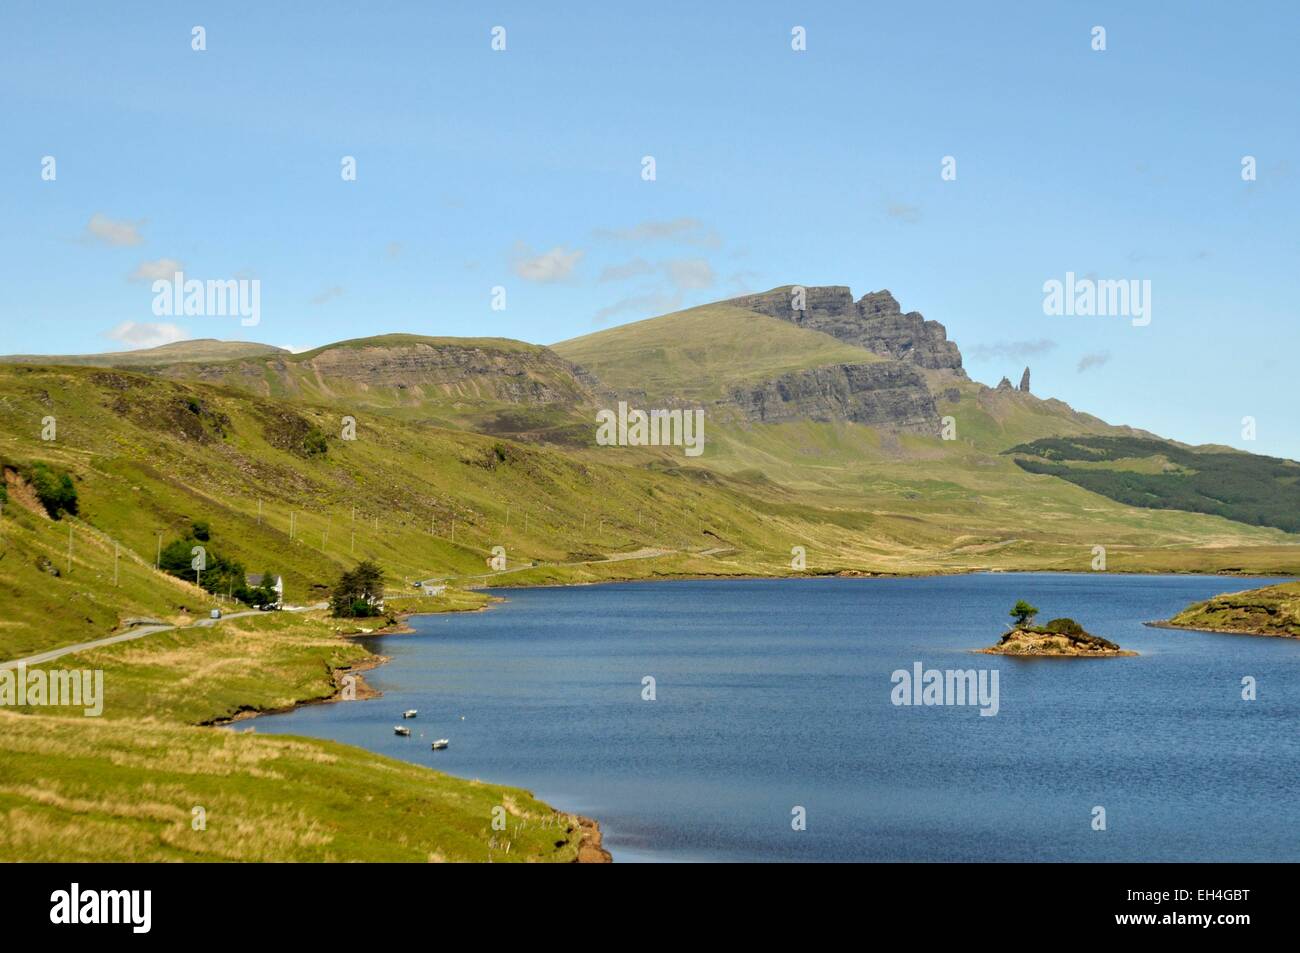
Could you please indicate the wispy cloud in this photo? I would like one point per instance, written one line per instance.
(1012, 350)
(109, 231)
(635, 268)
(687, 230)
(554, 265)
(655, 302)
(329, 294)
(902, 212)
(689, 274)
(146, 334)
(1096, 359)
(164, 269)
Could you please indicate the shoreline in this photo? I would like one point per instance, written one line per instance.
(852, 574)
(590, 845)
(1167, 624)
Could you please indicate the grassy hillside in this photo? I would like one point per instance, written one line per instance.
(1261, 491)
(124, 786)
(491, 385)
(700, 353)
(283, 491)
(203, 349)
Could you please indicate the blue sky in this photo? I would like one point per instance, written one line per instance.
(522, 169)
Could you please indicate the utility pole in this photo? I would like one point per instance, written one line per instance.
(293, 521)
(259, 512)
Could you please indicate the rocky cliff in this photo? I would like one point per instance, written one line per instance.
(875, 322)
(884, 394)
(410, 369)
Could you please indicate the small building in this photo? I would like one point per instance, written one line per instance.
(255, 580)
(431, 590)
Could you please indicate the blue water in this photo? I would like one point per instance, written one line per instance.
(773, 694)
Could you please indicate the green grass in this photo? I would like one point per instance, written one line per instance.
(1247, 488)
(1272, 610)
(150, 456)
(123, 786)
(701, 353)
(200, 350)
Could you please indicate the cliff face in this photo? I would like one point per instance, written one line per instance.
(875, 322)
(528, 375)
(889, 393)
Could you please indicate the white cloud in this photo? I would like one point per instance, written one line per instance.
(688, 274)
(629, 269)
(554, 265)
(101, 228)
(146, 334)
(164, 269)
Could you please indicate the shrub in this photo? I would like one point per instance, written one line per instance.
(1065, 627)
(54, 489)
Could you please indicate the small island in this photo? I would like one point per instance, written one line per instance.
(1059, 638)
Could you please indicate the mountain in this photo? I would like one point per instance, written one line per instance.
(196, 351)
(492, 385)
(872, 460)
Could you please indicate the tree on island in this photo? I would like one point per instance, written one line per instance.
(1023, 613)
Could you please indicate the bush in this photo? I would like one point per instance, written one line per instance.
(1065, 627)
(54, 489)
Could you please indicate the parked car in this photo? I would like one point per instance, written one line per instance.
(215, 614)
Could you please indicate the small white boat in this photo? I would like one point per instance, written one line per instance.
(399, 730)
(440, 744)
(410, 713)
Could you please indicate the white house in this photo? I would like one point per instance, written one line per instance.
(254, 580)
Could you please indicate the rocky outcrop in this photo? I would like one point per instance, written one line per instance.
(1005, 385)
(1024, 382)
(884, 394)
(875, 322)
(411, 370)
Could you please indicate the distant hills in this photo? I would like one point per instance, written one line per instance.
(848, 431)
(179, 352)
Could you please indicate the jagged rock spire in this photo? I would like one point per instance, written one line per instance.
(1024, 381)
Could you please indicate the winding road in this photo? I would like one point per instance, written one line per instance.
(137, 633)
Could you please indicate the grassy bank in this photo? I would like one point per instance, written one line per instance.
(1271, 610)
(125, 786)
